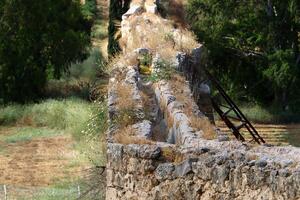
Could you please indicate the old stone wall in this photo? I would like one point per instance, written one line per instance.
(144, 172)
(181, 164)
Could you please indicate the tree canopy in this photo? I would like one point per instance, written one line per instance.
(253, 46)
(38, 40)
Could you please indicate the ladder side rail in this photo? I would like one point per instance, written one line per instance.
(236, 110)
(229, 124)
(226, 97)
(252, 134)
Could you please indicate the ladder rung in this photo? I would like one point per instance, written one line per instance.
(225, 106)
(227, 112)
(240, 126)
(239, 116)
(236, 118)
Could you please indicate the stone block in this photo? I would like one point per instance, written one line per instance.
(115, 155)
(134, 9)
(164, 171)
(184, 167)
(147, 166)
(133, 165)
(132, 150)
(143, 129)
(149, 151)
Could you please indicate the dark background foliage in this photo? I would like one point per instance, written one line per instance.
(253, 47)
(39, 41)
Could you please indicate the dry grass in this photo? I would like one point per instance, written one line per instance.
(171, 155)
(119, 62)
(169, 119)
(124, 93)
(147, 95)
(185, 40)
(157, 135)
(201, 123)
(39, 162)
(178, 84)
(127, 135)
(125, 105)
(153, 32)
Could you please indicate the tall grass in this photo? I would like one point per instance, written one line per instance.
(70, 115)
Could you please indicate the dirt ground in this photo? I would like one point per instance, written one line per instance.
(38, 162)
(276, 134)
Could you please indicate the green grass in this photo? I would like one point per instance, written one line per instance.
(28, 133)
(71, 115)
(64, 191)
(268, 115)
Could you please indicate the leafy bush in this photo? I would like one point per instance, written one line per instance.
(89, 68)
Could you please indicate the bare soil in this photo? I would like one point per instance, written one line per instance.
(38, 162)
(276, 134)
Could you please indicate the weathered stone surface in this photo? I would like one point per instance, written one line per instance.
(149, 151)
(134, 9)
(261, 163)
(151, 8)
(144, 129)
(164, 171)
(184, 168)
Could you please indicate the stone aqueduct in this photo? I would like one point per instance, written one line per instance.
(164, 156)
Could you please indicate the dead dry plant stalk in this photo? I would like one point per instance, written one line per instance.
(178, 83)
(172, 155)
(127, 135)
(185, 41)
(124, 100)
(202, 123)
(120, 62)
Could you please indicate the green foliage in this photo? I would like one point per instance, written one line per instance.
(253, 46)
(99, 30)
(93, 132)
(282, 69)
(162, 71)
(39, 40)
(269, 115)
(145, 60)
(89, 68)
(89, 10)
